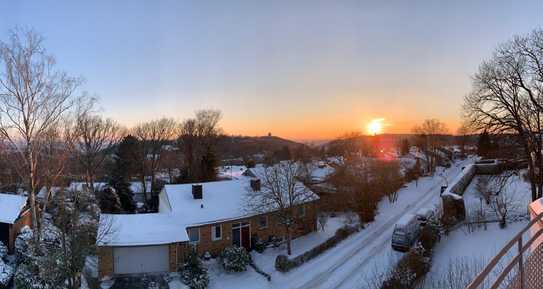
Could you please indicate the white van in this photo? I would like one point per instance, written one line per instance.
(406, 232)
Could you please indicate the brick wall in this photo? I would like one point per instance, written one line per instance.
(305, 225)
(105, 261)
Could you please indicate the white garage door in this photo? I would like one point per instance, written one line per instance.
(144, 259)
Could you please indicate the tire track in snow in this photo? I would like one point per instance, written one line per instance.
(366, 242)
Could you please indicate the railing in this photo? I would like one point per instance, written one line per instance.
(519, 281)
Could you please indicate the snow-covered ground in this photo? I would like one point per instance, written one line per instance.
(473, 248)
(352, 262)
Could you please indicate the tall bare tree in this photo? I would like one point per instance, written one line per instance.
(507, 98)
(154, 136)
(92, 138)
(430, 134)
(34, 95)
(281, 192)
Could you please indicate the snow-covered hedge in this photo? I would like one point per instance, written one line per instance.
(235, 259)
(284, 264)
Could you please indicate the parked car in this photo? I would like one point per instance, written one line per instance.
(406, 232)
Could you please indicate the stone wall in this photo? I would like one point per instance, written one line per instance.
(454, 209)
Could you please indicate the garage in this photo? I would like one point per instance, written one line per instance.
(140, 259)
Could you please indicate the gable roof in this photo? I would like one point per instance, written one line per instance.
(11, 207)
(222, 201)
(178, 210)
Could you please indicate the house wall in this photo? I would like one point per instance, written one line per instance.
(25, 219)
(179, 251)
(305, 225)
(105, 261)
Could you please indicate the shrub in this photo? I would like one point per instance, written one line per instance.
(283, 264)
(3, 251)
(193, 273)
(260, 246)
(6, 274)
(235, 259)
(409, 269)
(429, 236)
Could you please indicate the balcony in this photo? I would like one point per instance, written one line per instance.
(519, 265)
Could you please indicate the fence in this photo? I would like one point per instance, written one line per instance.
(522, 269)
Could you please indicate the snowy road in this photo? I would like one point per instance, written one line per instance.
(369, 252)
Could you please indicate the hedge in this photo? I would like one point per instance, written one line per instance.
(284, 264)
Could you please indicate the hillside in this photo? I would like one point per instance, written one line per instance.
(240, 146)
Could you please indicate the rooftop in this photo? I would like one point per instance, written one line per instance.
(10, 207)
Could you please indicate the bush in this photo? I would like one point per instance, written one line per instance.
(193, 273)
(6, 274)
(283, 264)
(429, 236)
(409, 269)
(260, 246)
(235, 259)
(3, 251)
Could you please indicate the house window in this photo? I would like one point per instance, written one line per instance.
(263, 222)
(216, 232)
(301, 211)
(194, 235)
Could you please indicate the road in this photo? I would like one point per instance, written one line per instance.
(351, 263)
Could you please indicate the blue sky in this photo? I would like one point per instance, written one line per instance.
(299, 69)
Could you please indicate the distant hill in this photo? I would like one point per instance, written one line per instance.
(240, 146)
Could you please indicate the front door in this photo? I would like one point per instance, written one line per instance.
(246, 238)
(241, 235)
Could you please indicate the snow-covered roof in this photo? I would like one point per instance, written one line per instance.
(140, 229)
(178, 210)
(10, 207)
(222, 200)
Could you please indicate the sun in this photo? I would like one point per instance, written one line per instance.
(375, 126)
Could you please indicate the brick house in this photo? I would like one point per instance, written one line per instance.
(204, 217)
(14, 215)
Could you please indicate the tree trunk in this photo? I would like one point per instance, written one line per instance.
(289, 240)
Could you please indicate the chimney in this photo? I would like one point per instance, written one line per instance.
(255, 184)
(197, 192)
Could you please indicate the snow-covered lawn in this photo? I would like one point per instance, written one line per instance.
(473, 248)
(462, 249)
(352, 262)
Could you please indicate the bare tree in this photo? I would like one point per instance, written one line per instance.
(282, 193)
(92, 137)
(463, 133)
(34, 95)
(153, 135)
(197, 139)
(430, 134)
(507, 98)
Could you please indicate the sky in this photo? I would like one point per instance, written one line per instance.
(304, 70)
